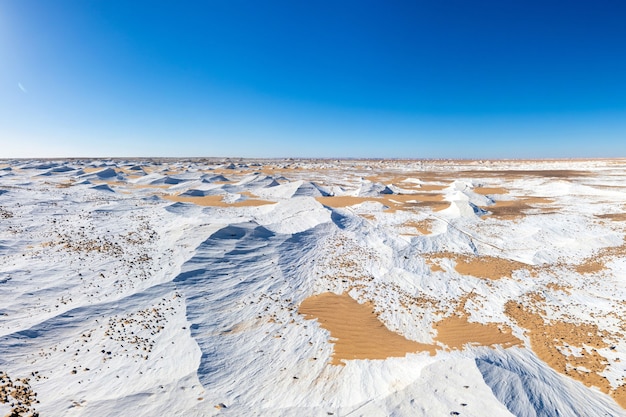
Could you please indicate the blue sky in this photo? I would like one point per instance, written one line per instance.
(437, 79)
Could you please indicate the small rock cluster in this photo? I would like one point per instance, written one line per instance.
(19, 395)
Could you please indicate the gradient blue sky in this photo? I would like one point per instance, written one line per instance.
(414, 79)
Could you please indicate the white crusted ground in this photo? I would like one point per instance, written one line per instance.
(115, 301)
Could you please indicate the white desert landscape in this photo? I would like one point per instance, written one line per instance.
(301, 287)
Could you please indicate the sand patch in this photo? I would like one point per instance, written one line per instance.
(343, 201)
(385, 178)
(558, 287)
(552, 342)
(487, 267)
(139, 186)
(616, 217)
(356, 332)
(416, 198)
(423, 226)
(432, 187)
(89, 170)
(132, 185)
(619, 395)
(367, 216)
(435, 203)
(590, 266)
(394, 202)
(275, 169)
(401, 181)
(490, 190)
(597, 262)
(522, 173)
(434, 267)
(216, 201)
(515, 209)
(129, 172)
(65, 184)
(456, 332)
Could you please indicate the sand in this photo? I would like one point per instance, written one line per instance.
(434, 267)
(401, 181)
(486, 267)
(344, 201)
(433, 201)
(490, 190)
(423, 226)
(430, 187)
(550, 340)
(510, 174)
(516, 209)
(368, 216)
(216, 201)
(89, 170)
(616, 217)
(133, 185)
(456, 332)
(598, 261)
(269, 169)
(355, 330)
(393, 201)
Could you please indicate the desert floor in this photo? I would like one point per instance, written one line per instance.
(204, 287)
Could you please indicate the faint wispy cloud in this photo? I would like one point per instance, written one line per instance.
(22, 88)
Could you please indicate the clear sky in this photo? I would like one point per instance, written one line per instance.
(406, 79)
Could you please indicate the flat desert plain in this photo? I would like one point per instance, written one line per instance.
(207, 287)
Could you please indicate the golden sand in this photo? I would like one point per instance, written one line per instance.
(488, 267)
(65, 184)
(344, 201)
(356, 331)
(490, 190)
(558, 287)
(216, 201)
(406, 201)
(434, 267)
(422, 226)
(515, 209)
(456, 331)
(128, 172)
(274, 169)
(393, 201)
(590, 266)
(616, 217)
(511, 174)
(597, 262)
(401, 182)
(431, 187)
(383, 178)
(133, 185)
(551, 339)
(89, 170)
